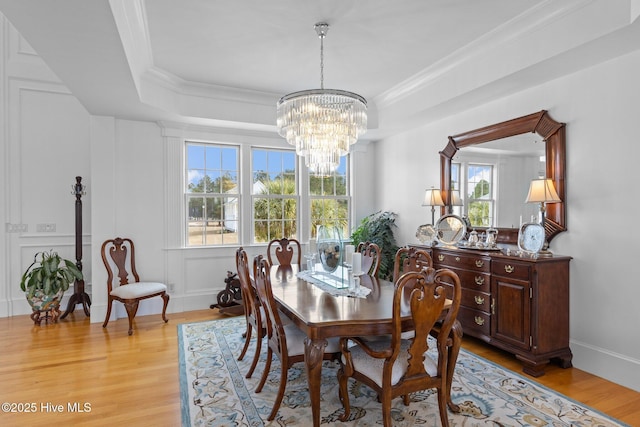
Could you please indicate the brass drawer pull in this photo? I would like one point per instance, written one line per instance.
(479, 320)
(493, 306)
(479, 263)
(440, 257)
(457, 259)
(509, 268)
(479, 300)
(479, 280)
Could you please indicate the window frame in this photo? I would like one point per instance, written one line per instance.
(188, 195)
(295, 196)
(345, 162)
(465, 190)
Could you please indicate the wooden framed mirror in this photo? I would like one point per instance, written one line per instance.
(551, 132)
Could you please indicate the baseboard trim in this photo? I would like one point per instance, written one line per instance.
(607, 364)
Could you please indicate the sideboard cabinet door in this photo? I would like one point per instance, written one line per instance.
(511, 310)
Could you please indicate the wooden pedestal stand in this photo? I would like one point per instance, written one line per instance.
(52, 314)
(79, 295)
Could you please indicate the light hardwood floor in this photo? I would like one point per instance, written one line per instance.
(133, 380)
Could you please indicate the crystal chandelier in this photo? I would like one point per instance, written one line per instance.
(322, 123)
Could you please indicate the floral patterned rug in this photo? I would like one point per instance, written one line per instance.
(214, 391)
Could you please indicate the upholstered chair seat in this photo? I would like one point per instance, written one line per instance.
(373, 367)
(138, 290)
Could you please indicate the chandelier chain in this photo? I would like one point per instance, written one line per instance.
(321, 29)
(322, 61)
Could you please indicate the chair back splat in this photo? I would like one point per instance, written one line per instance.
(119, 258)
(371, 257)
(410, 259)
(284, 252)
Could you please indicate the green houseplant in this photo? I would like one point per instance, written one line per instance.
(45, 281)
(378, 228)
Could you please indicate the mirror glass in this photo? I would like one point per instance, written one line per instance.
(451, 229)
(493, 179)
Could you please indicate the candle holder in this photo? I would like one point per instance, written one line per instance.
(311, 261)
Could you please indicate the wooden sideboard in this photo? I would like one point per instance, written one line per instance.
(518, 304)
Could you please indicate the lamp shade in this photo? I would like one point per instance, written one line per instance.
(542, 191)
(455, 198)
(432, 197)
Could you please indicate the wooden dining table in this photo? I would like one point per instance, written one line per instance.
(323, 314)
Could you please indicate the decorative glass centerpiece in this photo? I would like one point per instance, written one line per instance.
(330, 254)
(329, 243)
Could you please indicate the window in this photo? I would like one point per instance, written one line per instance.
(456, 178)
(274, 194)
(476, 183)
(480, 201)
(212, 194)
(329, 198)
(273, 198)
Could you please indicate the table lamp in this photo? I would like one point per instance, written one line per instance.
(542, 191)
(433, 198)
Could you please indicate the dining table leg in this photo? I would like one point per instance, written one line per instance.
(313, 356)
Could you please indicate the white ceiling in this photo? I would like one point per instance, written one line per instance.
(226, 63)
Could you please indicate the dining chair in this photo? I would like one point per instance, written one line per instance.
(118, 256)
(410, 259)
(253, 311)
(414, 259)
(407, 259)
(397, 367)
(284, 251)
(371, 257)
(285, 341)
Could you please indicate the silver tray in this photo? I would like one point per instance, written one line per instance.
(475, 248)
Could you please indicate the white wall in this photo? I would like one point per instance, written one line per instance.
(600, 107)
(45, 145)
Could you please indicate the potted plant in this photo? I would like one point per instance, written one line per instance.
(378, 228)
(45, 281)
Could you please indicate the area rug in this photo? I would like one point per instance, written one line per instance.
(215, 392)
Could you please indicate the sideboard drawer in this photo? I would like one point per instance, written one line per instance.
(475, 322)
(474, 281)
(476, 300)
(472, 299)
(465, 261)
(507, 268)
